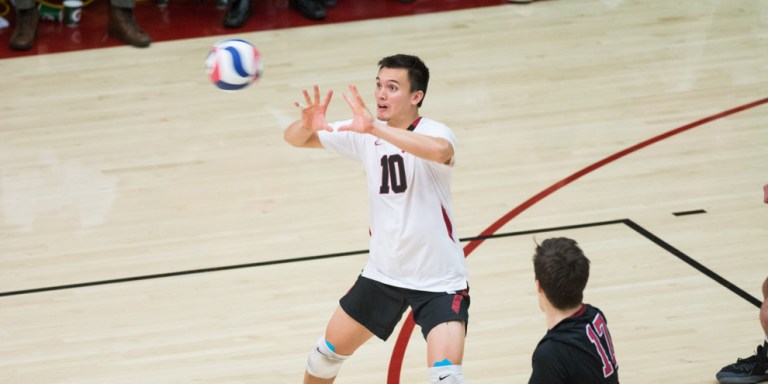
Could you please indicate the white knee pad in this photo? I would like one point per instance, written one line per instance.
(446, 374)
(323, 362)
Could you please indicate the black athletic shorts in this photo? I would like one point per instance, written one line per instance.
(379, 307)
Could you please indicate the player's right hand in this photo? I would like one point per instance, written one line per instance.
(313, 113)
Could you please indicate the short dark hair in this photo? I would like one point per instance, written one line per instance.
(562, 271)
(418, 73)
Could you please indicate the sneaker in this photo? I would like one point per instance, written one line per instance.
(751, 370)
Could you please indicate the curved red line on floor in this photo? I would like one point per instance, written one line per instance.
(396, 361)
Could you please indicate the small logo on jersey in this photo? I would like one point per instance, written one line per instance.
(320, 352)
(377, 142)
(441, 378)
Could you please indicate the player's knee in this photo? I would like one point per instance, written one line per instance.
(444, 372)
(323, 362)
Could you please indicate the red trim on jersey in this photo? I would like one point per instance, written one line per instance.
(448, 224)
(414, 124)
(580, 311)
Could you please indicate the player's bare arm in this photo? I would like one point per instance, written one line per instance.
(303, 132)
(427, 147)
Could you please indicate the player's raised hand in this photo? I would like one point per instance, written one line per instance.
(313, 113)
(362, 119)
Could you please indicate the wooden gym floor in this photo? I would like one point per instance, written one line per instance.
(154, 229)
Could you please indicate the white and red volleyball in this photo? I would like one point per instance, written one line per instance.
(233, 64)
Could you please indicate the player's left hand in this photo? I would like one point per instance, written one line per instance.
(362, 119)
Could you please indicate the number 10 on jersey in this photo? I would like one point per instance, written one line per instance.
(392, 174)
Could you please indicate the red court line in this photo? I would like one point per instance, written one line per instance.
(398, 352)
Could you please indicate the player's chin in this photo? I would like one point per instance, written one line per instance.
(382, 114)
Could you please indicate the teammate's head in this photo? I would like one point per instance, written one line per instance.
(418, 73)
(562, 271)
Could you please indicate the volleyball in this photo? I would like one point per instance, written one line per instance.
(233, 64)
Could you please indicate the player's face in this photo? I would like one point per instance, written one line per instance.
(394, 99)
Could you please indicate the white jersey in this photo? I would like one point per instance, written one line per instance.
(414, 243)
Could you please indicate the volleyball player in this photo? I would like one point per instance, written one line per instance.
(415, 257)
(577, 348)
(753, 369)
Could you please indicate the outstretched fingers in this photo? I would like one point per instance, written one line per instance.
(348, 100)
(356, 94)
(308, 100)
(317, 94)
(362, 120)
(328, 98)
(355, 101)
(313, 109)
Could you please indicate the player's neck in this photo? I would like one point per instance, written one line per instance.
(405, 121)
(556, 315)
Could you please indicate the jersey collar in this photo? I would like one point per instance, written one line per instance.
(414, 124)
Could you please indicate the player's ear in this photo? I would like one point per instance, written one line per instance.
(538, 286)
(417, 97)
